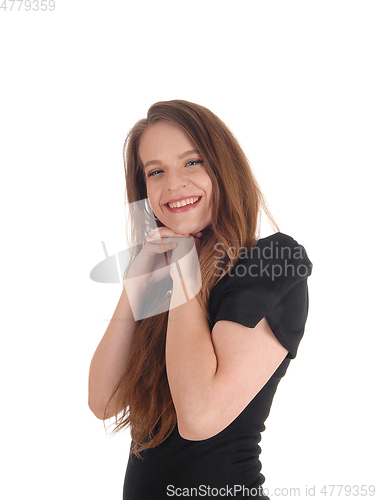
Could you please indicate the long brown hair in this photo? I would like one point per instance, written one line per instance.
(142, 396)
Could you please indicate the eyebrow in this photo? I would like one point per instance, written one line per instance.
(180, 157)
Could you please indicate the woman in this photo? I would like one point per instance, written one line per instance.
(193, 354)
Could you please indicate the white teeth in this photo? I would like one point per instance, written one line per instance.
(183, 203)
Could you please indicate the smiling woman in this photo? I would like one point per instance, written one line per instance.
(180, 183)
(195, 381)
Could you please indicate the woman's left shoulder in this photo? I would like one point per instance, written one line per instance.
(280, 245)
(278, 238)
(280, 249)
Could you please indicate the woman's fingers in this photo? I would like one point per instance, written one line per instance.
(160, 245)
(165, 231)
(160, 237)
(161, 231)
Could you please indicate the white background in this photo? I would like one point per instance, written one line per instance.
(296, 83)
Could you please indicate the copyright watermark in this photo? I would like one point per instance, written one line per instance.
(27, 5)
(209, 491)
(272, 261)
(326, 490)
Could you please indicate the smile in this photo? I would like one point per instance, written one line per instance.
(183, 205)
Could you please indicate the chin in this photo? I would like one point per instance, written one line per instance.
(187, 227)
(183, 228)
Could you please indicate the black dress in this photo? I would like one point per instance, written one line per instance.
(268, 281)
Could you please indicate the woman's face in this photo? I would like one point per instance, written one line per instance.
(178, 186)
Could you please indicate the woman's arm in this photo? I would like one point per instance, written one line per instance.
(214, 376)
(110, 357)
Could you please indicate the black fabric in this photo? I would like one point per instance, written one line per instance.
(269, 281)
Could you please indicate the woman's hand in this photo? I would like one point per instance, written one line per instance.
(184, 242)
(183, 262)
(166, 253)
(150, 265)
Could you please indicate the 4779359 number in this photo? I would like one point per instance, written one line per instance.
(27, 5)
(356, 490)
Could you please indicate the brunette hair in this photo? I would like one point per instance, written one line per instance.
(142, 396)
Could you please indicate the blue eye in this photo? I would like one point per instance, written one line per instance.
(194, 162)
(151, 174)
(191, 163)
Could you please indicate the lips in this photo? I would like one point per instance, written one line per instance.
(189, 206)
(173, 200)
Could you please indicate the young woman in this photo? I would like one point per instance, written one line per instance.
(209, 317)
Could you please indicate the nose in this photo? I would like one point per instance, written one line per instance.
(176, 181)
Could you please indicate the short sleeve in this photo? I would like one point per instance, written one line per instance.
(289, 310)
(272, 285)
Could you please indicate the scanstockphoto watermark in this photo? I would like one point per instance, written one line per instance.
(204, 490)
(323, 490)
(272, 261)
